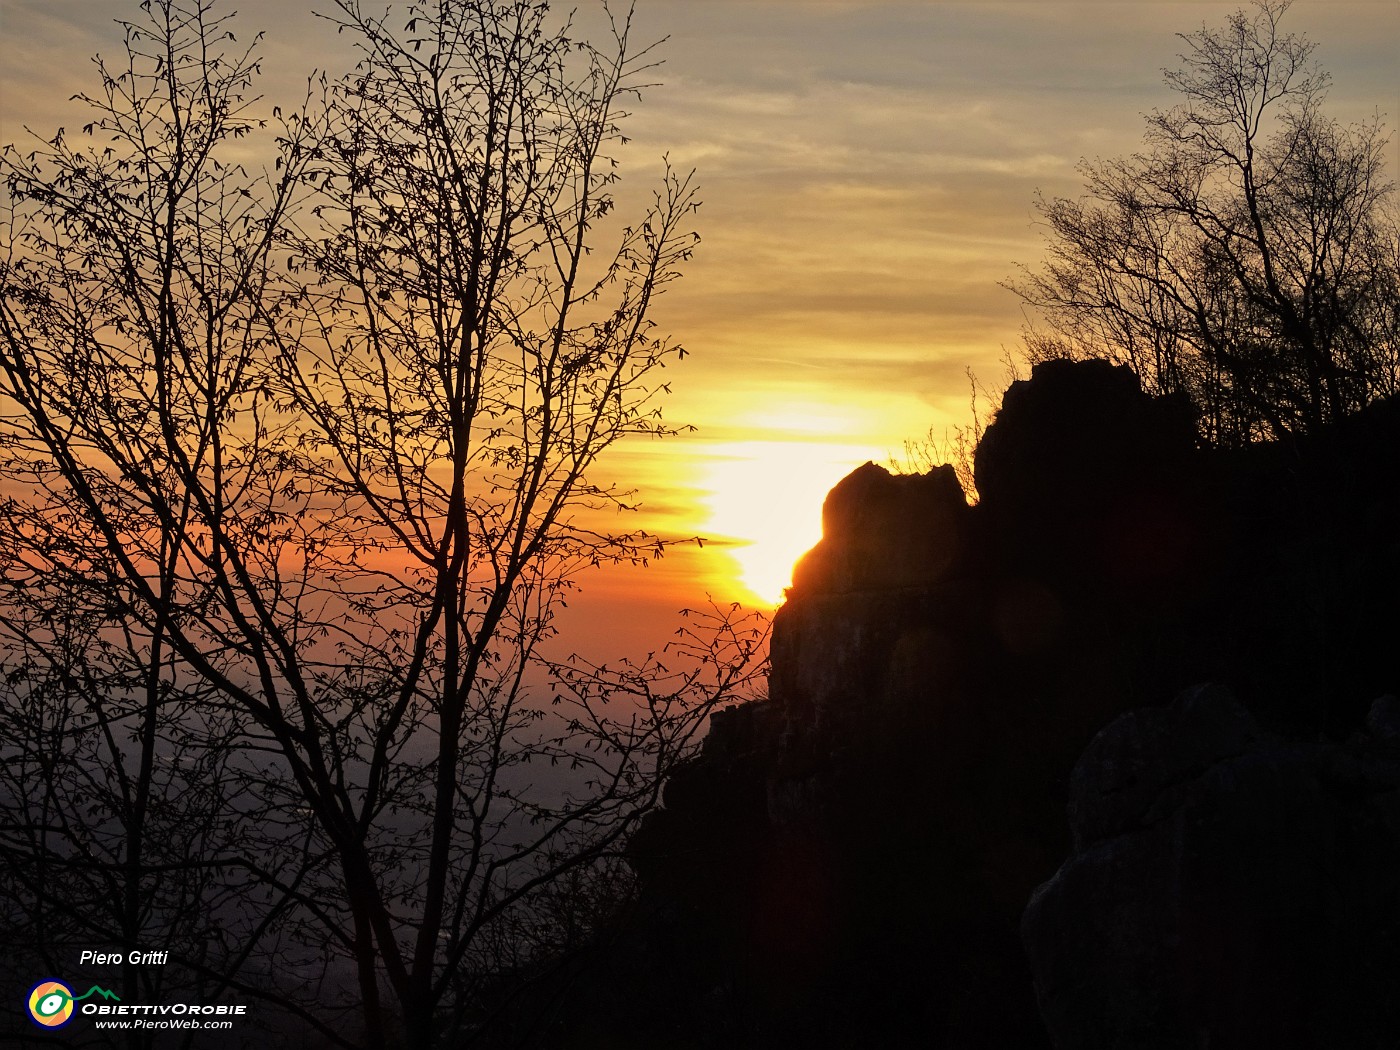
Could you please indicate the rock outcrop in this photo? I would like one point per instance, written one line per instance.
(847, 862)
(887, 532)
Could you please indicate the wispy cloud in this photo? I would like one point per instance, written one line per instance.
(868, 170)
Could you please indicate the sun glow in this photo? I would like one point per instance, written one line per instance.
(764, 499)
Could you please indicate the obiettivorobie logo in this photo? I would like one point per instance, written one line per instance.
(51, 1002)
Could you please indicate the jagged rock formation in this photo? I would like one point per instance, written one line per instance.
(847, 862)
(887, 532)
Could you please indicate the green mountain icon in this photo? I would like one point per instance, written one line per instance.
(98, 991)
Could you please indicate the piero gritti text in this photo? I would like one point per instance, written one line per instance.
(136, 957)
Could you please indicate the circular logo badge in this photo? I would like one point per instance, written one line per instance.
(51, 1004)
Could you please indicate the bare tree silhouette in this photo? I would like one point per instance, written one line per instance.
(297, 473)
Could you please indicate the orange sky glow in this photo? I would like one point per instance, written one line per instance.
(867, 171)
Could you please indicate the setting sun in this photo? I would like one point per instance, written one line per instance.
(764, 499)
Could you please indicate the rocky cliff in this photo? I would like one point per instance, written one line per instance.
(848, 861)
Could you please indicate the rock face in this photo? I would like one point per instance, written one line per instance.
(1227, 887)
(872, 627)
(847, 862)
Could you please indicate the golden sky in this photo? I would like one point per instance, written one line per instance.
(867, 170)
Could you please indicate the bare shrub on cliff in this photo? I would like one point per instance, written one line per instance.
(957, 444)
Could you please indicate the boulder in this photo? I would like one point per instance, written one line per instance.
(1227, 887)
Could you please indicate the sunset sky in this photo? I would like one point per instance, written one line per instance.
(867, 170)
